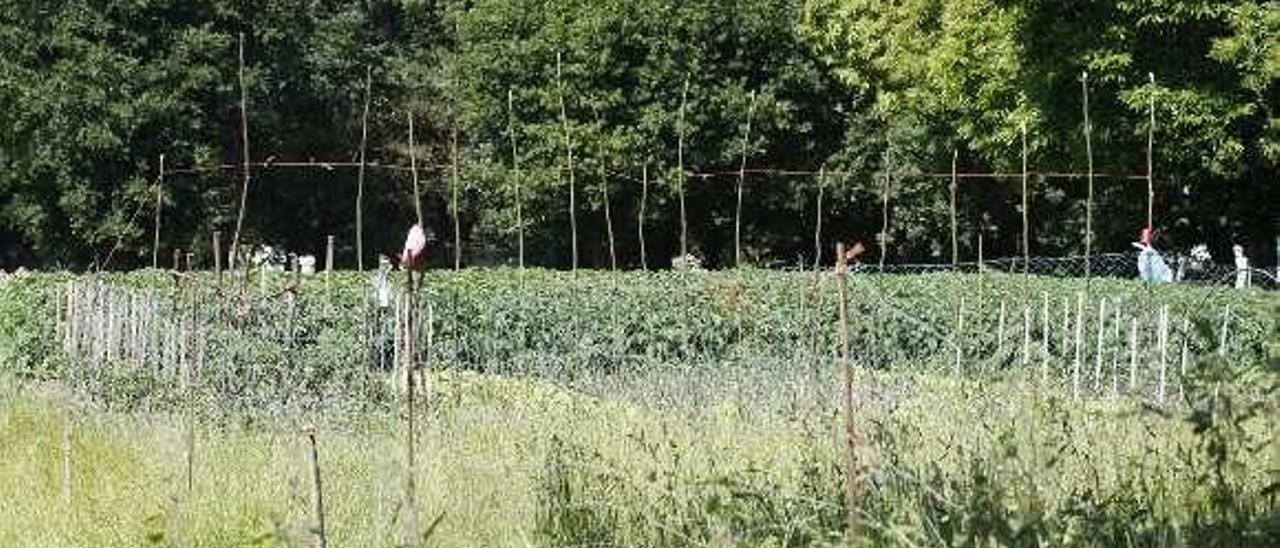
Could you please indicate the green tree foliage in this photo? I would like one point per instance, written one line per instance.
(92, 93)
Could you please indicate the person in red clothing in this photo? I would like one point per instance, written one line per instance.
(415, 243)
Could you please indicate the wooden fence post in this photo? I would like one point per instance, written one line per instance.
(1079, 347)
(851, 443)
(568, 146)
(155, 246)
(317, 491)
(1088, 207)
(364, 140)
(742, 176)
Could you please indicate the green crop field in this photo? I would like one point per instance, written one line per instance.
(637, 409)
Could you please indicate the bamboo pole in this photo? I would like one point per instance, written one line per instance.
(1097, 355)
(1224, 333)
(955, 231)
(680, 180)
(1151, 143)
(1079, 346)
(568, 146)
(317, 490)
(515, 166)
(851, 441)
(364, 141)
(1164, 350)
(1026, 335)
(884, 212)
(1045, 329)
(155, 245)
(1133, 353)
(1182, 358)
(644, 199)
(1000, 327)
(742, 177)
(328, 265)
(1117, 350)
(457, 181)
(1026, 227)
(413, 170)
(217, 257)
(817, 226)
(1088, 207)
(604, 190)
(958, 337)
(244, 156)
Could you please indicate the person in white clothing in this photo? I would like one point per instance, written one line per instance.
(1242, 267)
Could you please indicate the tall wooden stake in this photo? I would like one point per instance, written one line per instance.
(604, 190)
(684, 223)
(817, 226)
(1079, 347)
(644, 199)
(457, 181)
(364, 141)
(955, 231)
(244, 156)
(317, 490)
(217, 268)
(742, 176)
(1088, 204)
(1026, 227)
(155, 245)
(413, 170)
(568, 147)
(1151, 144)
(515, 166)
(884, 213)
(850, 429)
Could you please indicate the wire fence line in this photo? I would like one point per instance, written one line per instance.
(480, 251)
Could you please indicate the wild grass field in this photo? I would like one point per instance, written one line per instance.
(701, 427)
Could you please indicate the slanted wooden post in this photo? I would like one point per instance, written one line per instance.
(244, 157)
(680, 175)
(413, 171)
(851, 443)
(328, 264)
(644, 200)
(958, 337)
(217, 257)
(1000, 328)
(955, 231)
(1097, 355)
(884, 213)
(457, 182)
(1133, 353)
(364, 141)
(742, 177)
(1151, 144)
(317, 491)
(1079, 347)
(1045, 329)
(1026, 207)
(1026, 336)
(1164, 350)
(515, 166)
(155, 246)
(568, 147)
(817, 226)
(604, 191)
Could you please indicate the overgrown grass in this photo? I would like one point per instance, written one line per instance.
(670, 458)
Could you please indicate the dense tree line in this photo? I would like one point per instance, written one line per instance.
(93, 92)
